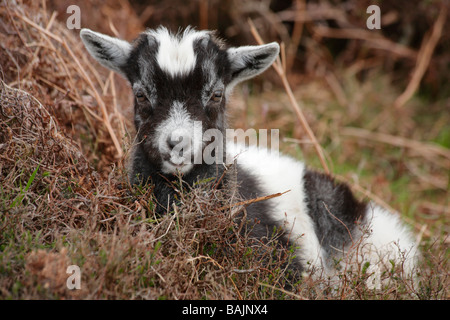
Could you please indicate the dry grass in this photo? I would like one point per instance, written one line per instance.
(65, 198)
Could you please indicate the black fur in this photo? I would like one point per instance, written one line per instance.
(335, 211)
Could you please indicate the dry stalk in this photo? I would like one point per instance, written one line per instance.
(36, 52)
(117, 113)
(423, 59)
(340, 221)
(278, 66)
(296, 296)
(99, 100)
(372, 39)
(248, 202)
(300, 10)
(419, 147)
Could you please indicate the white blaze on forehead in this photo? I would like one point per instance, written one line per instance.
(176, 54)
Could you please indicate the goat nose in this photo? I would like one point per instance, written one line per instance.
(173, 142)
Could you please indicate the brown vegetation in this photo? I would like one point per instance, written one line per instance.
(65, 133)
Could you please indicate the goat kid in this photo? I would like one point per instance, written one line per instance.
(182, 79)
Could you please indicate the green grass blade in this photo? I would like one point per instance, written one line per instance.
(18, 200)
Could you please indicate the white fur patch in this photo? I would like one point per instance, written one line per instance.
(389, 240)
(176, 54)
(386, 243)
(278, 174)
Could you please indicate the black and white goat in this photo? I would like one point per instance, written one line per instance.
(180, 80)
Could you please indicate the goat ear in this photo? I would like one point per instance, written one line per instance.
(110, 52)
(249, 61)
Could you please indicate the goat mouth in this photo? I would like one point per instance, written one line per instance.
(177, 165)
(174, 161)
(178, 160)
(170, 167)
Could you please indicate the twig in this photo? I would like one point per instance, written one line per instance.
(116, 107)
(235, 287)
(282, 290)
(372, 40)
(203, 14)
(420, 147)
(340, 221)
(303, 141)
(99, 101)
(67, 93)
(439, 181)
(248, 202)
(423, 59)
(86, 77)
(296, 33)
(243, 271)
(15, 27)
(113, 28)
(333, 82)
(36, 52)
(278, 66)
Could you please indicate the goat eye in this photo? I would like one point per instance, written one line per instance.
(140, 97)
(217, 96)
